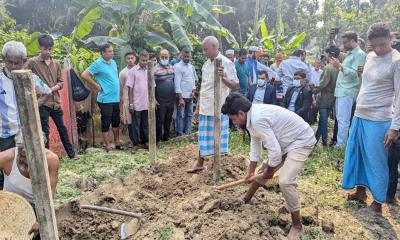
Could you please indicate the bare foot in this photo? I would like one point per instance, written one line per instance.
(198, 166)
(108, 148)
(373, 209)
(295, 233)
(357, 196)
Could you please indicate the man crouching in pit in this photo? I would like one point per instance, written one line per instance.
(281, 132)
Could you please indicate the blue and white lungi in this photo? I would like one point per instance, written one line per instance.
(366, 159)
(206, 135)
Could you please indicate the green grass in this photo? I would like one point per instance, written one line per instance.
(164, 233)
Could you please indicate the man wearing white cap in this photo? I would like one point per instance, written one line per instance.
(230, 54)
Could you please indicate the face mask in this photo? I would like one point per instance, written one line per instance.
(296, 83)
(261, 82)
(186, 61)
(164, 62)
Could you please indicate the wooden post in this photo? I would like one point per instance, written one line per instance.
(34, 148)
(71, 104)
(152, 113)
(217, 120)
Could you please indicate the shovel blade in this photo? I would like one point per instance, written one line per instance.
(129, 229)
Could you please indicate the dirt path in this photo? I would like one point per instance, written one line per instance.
(181, 206)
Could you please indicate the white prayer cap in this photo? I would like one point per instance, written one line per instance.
(230, 52)
(253, 49)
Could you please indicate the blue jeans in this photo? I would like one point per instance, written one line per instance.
(394, 157)
(184, 117)
(323, 125)
(344, 106)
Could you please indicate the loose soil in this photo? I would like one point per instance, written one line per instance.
(177, 205)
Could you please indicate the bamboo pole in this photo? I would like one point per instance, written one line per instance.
(217, 121)
(152, 113)
(34, 148)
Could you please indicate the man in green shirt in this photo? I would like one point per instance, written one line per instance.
(242, 71)
(348, 84)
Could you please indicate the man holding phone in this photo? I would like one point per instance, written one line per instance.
(348, 84)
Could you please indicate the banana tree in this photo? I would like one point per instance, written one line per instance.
(271, 40)
(139, 24)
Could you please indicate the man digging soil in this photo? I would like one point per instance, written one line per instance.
(281, 132)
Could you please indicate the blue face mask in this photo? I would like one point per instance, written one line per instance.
(261, 82)
(296, 83)
(164, 62)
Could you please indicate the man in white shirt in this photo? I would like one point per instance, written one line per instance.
(375, 123)
(281, 132)
(316, 73)
(126, 118)
(204, 113)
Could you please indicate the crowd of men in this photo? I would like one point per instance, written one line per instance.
(276, 102)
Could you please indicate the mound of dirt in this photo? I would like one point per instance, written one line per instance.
(186, 204)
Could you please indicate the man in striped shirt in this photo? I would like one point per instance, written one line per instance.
(165, 95)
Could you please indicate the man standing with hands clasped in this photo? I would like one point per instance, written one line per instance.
(281, 132)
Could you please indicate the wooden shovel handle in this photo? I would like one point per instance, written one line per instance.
(238, 182)
(110, 210)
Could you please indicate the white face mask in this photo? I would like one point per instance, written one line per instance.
(296, 83)
(261, 82)
(164, 62)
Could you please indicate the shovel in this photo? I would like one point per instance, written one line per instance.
(126, 230)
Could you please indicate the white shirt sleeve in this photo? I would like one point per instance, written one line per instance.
(230, 70)
(396, 81)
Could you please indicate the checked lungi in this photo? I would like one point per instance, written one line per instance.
(206, 135)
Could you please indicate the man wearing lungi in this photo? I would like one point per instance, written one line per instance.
(204, 113)
(374, 126)
(281, 132)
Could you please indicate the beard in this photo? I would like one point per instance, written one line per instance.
(243, 126)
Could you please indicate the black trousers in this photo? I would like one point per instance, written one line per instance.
(164, 118)
(5, 144)
(57, 115)
(393, 161)
(139, 129)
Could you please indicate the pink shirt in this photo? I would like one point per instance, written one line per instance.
(137, 80)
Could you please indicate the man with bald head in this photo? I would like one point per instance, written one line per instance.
(204, 113)
(165, 95)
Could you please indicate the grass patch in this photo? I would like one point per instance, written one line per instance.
(164, 233)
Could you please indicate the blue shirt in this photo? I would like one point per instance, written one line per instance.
(259, 95)
(107, 76)
(293, 100)
(255, 67)
(288, 68)
(242, 72)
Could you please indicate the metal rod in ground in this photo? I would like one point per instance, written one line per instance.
(110, 210)
(217, 121)
(152, 113)
(34, 148)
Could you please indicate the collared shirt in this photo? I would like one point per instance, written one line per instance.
(316, 76)
(243, 75)
(255, 67)
(50, 74)
(123, 77)
(380, 89)
(164, 78)
(137, 81)
(292, 103)
(107, 76)
(348, 82)
(9, 118)
(259, 94)
(287, 69)
(279, 130)
(185, 79)
(207, 84)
